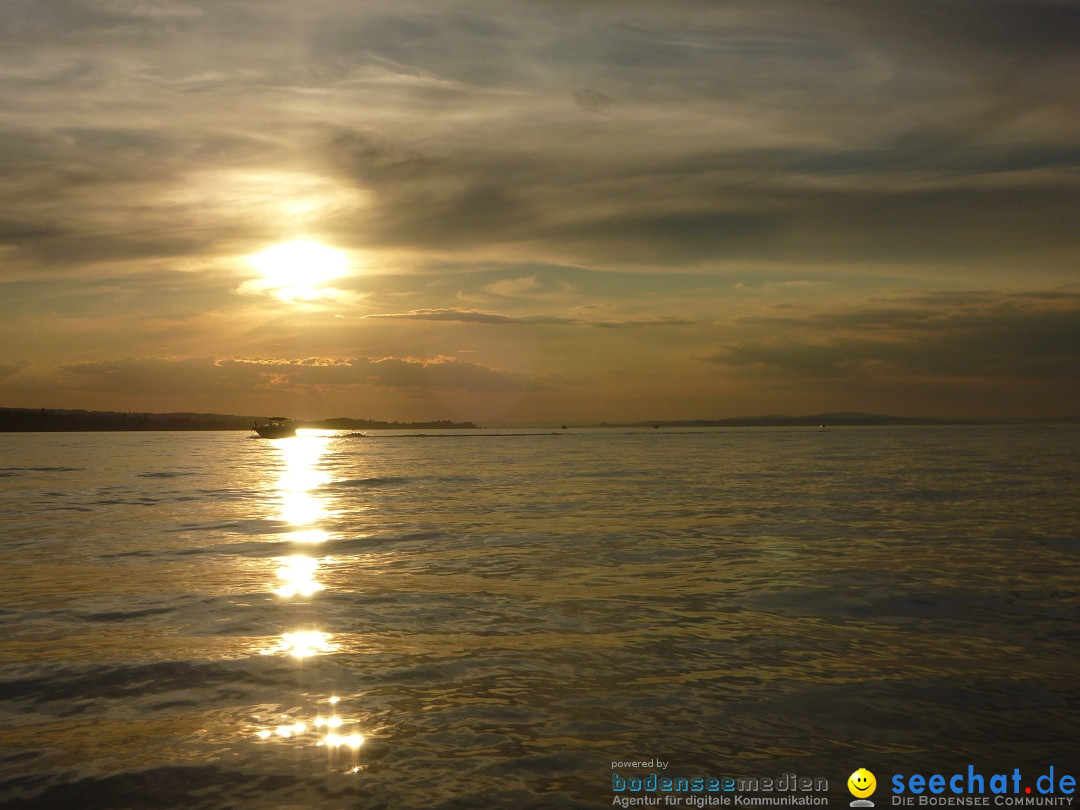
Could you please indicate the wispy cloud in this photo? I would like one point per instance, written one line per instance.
(262, 375)
(973, 334)
(475, 316)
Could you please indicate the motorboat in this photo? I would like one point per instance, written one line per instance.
(278, 427)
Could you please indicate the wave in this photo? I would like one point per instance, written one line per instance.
(67, 684)
(364, 483)
(42, 469)
(164, 786)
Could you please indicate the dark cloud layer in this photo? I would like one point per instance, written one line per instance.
(964, 335)
(473, 316)
(741, 130)
(236, 375)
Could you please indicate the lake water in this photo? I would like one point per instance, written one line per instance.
(482, 620)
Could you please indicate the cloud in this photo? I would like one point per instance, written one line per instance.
(783, 130)
(153, 294)
(8, 370)
(975, 334)
(514, 287)
(229, 376)
(593, 100)
(474, 316)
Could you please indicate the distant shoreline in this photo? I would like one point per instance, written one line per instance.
(851, 420)
(52, 420)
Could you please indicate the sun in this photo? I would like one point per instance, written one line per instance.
(298, 270)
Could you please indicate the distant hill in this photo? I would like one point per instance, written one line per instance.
(840, 419)
(51, 419)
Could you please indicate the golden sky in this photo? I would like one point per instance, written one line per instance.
(540, 211)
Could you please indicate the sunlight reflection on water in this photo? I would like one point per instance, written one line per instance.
(298, 572)
(302, 506)
(301, 475)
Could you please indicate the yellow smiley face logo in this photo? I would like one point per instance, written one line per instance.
(861, 783)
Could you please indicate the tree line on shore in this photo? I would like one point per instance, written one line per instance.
(50, 419)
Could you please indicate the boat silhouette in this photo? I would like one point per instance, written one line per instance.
(277, 427)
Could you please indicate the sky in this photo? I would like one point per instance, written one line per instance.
(541, 211)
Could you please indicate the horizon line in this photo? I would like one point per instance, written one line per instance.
(205, 420)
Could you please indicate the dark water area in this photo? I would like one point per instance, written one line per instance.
(205, 620)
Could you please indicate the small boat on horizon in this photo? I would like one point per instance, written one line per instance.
(278, 427)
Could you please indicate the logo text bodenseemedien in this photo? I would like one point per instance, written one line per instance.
(652, 783)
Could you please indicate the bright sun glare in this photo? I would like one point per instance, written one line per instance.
(297, 271)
